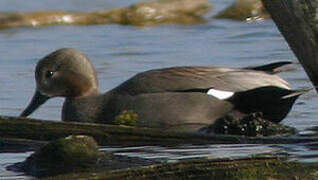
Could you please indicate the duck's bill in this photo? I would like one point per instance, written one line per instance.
(37, 100)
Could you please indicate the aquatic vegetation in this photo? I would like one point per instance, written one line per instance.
(249, 125)
(126, 117)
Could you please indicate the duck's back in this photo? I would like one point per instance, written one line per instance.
(188, 78)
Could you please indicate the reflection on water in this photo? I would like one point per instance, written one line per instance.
(158, 154)
(118, 52)
(297, 152)
(172, 154)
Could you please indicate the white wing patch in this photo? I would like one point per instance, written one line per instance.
(220, 94)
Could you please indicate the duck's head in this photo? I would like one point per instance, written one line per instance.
(66, 73)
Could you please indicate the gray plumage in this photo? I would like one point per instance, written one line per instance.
(170, 98)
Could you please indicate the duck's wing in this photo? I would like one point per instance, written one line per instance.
(199, 78)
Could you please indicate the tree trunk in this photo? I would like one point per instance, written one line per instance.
(297, 21)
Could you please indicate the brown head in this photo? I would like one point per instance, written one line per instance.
(65, 73)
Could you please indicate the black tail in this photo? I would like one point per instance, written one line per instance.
(273, 68)
(297, 93)
(274, 102)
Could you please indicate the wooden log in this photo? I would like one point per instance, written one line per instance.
(296, 20)
(257, 168)
(37, 130)
(19, 145)
(14, 127)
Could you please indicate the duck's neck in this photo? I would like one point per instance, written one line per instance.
(90, 92)
(83, 108)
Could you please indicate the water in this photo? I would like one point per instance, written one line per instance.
(119, 52)
(7, 159)
(300, 152)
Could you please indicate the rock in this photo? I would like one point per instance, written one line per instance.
(245, 10)
(166, 12)
(70, 154)
(140, 14)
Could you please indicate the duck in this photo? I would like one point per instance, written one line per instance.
(185, 98)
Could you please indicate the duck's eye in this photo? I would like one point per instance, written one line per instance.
(49, 74)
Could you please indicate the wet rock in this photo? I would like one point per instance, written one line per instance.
(140, 14)
(248, 125)
(46, 18)
(70, 154)
(166, 12)
(245, 10)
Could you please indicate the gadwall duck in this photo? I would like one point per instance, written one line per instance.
(178, 97)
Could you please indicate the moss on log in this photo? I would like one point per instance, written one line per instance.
(260, 169)
(297, 21)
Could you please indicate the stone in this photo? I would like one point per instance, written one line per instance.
(74, 153)
(244, 10)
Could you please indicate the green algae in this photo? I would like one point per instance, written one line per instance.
(126, 117)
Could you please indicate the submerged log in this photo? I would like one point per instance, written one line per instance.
(19, 145)
(297, 21)
(37, 130)
(257, 168)
(23, 128)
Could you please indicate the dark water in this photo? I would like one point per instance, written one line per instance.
(118, 52)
